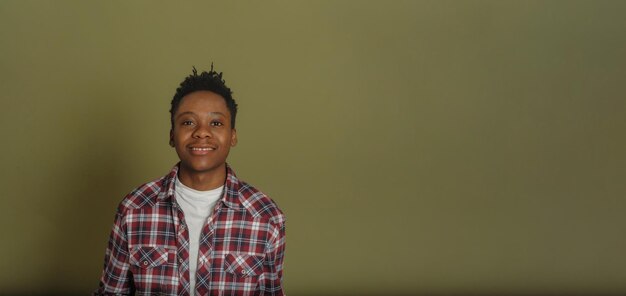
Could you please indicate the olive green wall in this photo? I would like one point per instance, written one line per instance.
(415, 146)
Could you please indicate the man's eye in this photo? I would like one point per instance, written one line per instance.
(216, 123)
(187, 122)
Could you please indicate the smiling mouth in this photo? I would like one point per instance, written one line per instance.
(202, 149)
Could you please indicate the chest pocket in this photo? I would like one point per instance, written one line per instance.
(243, 265)
(148, 257)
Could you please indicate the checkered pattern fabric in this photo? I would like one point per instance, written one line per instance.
(241, 246)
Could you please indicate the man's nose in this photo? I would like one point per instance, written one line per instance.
(202, 131)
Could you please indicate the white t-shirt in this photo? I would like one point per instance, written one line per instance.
(197, 207)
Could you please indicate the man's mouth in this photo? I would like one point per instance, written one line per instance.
(202, 149)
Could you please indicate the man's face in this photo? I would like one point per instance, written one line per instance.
(202, 134)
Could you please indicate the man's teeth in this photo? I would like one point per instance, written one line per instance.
(202, 149)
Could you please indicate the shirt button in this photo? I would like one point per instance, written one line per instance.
(145, 263)
(180, 260)
(243, 272)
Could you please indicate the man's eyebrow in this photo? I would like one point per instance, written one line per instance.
(184, 113)
(193, 113)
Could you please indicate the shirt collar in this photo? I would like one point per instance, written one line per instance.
(232, 185)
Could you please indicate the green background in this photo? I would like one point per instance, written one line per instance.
(416, 147)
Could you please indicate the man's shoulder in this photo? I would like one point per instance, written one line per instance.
(259, 204)
(146, 195)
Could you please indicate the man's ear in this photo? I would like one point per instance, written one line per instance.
(233, 138)
(172, 138)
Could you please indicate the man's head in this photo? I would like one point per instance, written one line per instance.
(211, 81)
(203, 117)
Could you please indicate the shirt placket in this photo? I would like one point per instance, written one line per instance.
(205, 251)
(182, 250)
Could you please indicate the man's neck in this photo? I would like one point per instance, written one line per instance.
(202, 181)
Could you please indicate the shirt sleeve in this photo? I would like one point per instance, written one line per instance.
(116, 278)
(271, 283)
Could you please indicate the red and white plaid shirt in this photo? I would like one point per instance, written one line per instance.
(241, 245)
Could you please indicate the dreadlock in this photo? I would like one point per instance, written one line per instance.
(211, 81)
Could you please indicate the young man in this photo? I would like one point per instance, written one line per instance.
(198, 230)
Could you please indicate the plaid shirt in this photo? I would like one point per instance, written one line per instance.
(241, 245)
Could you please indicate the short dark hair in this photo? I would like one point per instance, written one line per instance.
(211, 81)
